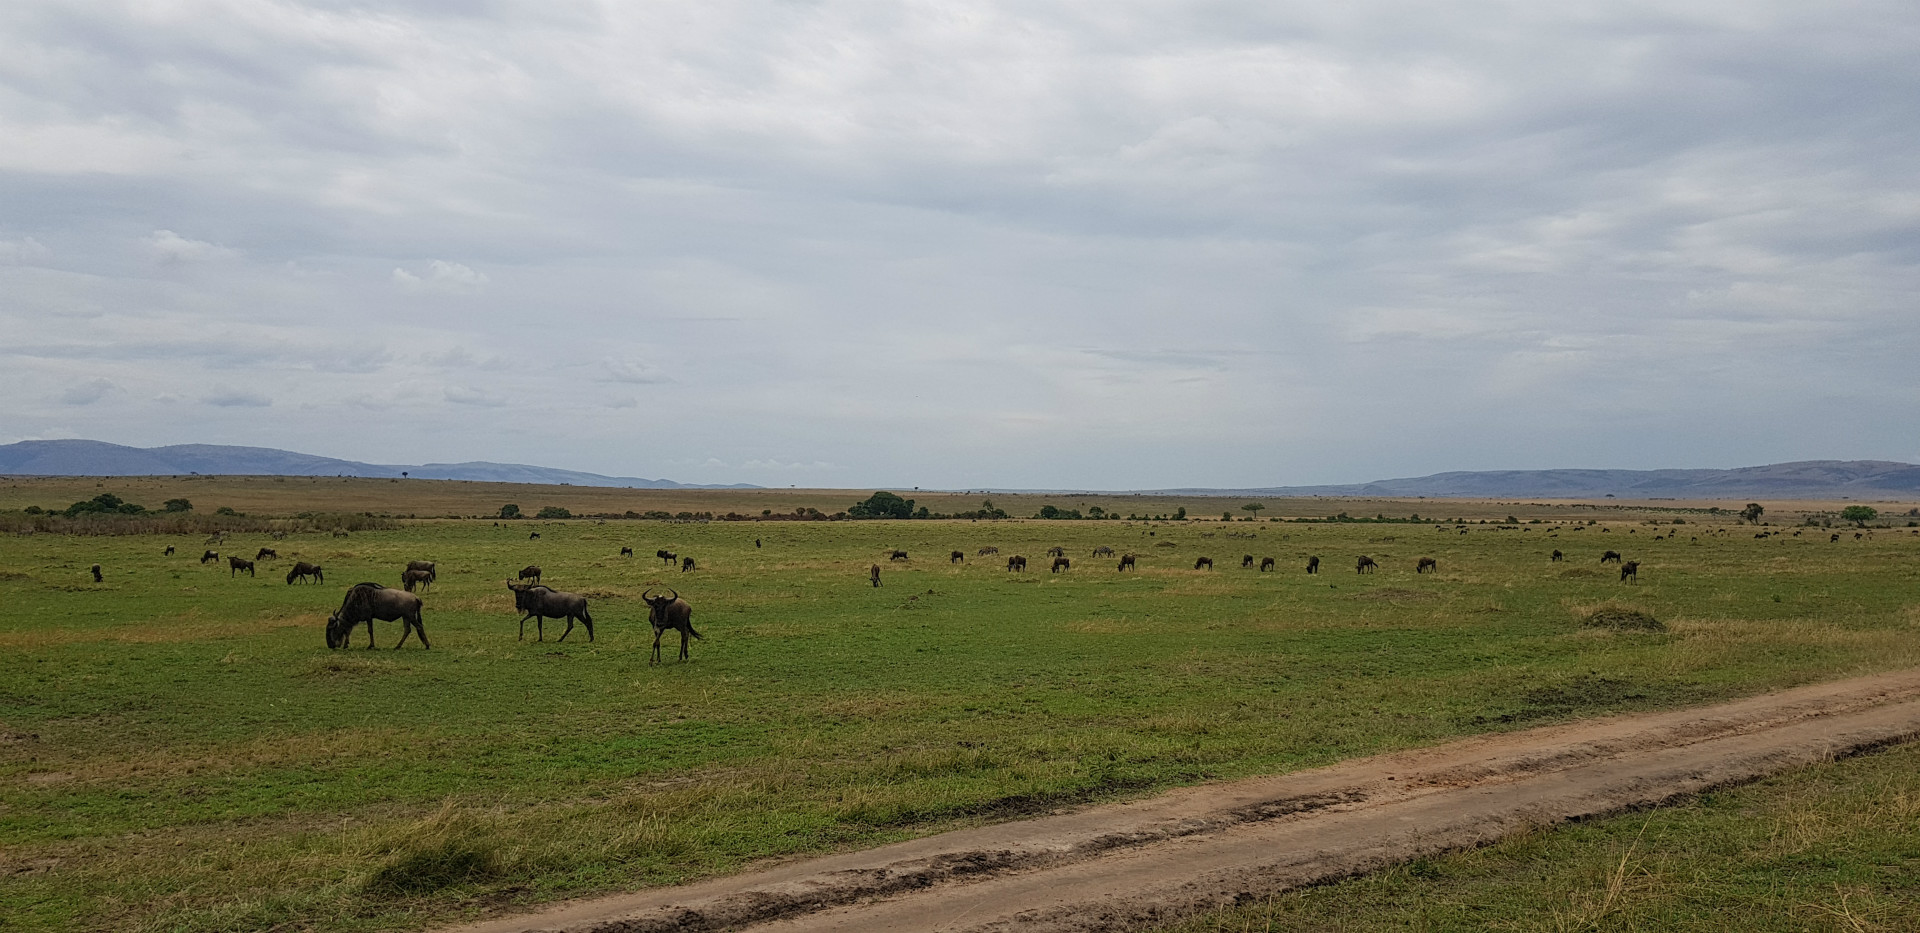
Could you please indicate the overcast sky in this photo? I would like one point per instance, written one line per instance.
(1037, 244)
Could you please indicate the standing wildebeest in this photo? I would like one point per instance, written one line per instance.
(1630, 571)
(1206, 562)
(366, 602)
(1365, 565)
(987, 550)
(541, 603)
(1426, 564)
(1126, 562)
(412, 578)
(531, 572)
(1246, 560)
(896, 554)
(957, 557)
(1103, 551)
(96, 573)
(626, 552)
(302, 570)
(1313, 565)
(1557, 556)
(666, 556)
(686, 565)
(215, 555)
(1610, 556)
(169, 550)
(1266, 564)
(756, 542)
(669, 612)
(1061, 563)
(1056, 551)
(1016, 562)
(533, 536)
(237, 564)
(425, 565)
(267, 553)
(874, 575)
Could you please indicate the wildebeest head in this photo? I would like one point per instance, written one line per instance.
(657, 605)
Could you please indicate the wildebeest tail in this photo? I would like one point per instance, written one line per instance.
(695, 634)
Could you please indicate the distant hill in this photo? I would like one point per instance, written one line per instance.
(97, 458)
(1806, 479)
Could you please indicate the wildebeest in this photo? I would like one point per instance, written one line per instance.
(1266, 564)
(1206, 562)
(237, 564)
(666, 556)
(532, 535)
(1365, 565)
(1610, 556)
(266, 553)
(756, 542)
(303, 570)
(1630, 571)
(874, 575)
(1836, 537)
(1056, 551)
(896, 554)
(541, 603)
(1557, 556)
(1126, 562)
(412, 578)
(215, 555)
(1103, 551)
(96, 572)
(686, 565)
(1313, 565)
(670, 612)
(957, 558)
(425, 565)
(366, 602)
(626, 552)
(1016, 563)
(531, 572)
(1246, 560)
(1061, 563)
(340, 532)
(169, 550)
(987, 550)
(1426, 564)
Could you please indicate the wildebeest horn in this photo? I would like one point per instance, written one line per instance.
(676, 594)
(646, 595)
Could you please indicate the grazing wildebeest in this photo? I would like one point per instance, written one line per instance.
(532, 535)
(1313, 565)
(412, 578)
(266, 553)
(169, 550)
(626, 552)
(669, 612)
(1017, 563)
(340, 532)
(874, 575)
(1103, 551)
(96, 573)
(1061, 563)
(1630, 571)
(1206, 562)
(215, 555)
(531, 572)
(237, 564)
(303, 570)
(366, 602)
(1365, 565)
(1557, 556)
(1836, 537)
(1610, 556)
(1056, 551)
(1266, 564)
(541, 603)
(1126, 562)
(1246, 560)
(896, 555)
(425, 565)
(956, 558)
(686, 565)
(1426, 564)
(987, 550)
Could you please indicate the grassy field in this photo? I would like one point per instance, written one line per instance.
(179, 751)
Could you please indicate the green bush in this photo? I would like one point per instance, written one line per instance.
(553, 511)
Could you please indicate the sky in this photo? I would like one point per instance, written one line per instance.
(1107, 245)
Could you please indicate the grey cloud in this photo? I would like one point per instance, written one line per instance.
(89, 392)
(237, 398)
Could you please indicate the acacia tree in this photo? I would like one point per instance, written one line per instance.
(1752, 512)
(1859, 514)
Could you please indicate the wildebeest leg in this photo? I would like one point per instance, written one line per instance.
(406, 628)
(523, 625)
(569, 631)
(656, 645)
(369, 633)
(683, 645)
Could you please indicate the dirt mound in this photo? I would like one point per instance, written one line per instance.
(1620, 618)
(1393, 594)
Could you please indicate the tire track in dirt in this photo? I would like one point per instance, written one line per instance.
(1125, 866)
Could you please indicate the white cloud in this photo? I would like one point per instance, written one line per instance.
(25, 251)
(467, 395)
(445, 278)
(86, 393)
(633, 372)
(236, 398)
(168, 246)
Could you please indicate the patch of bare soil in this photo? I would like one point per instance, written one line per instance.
(1129, 866)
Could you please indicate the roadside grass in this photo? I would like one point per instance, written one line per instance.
(179, 751)
(1833, 847)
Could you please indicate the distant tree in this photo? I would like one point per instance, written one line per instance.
(509, 511)
(225, 510)
(105, 503)
(403, 474)
(553, 511)
(33, 510)
(177, 505)
(1753, 511)
(1180, 515)
(882, 505)
(1226, 516)
(1859, 513)
(1253, 509)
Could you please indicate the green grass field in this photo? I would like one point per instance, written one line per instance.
(179, 750)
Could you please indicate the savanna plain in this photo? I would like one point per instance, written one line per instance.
(180, 751)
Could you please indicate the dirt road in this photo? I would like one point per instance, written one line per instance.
(1127, 866)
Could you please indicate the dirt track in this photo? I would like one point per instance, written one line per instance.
(1126, 866)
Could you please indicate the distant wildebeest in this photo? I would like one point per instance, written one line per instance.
(541, 603)
(756, 542)
(669, 612)
(1016, 563)
(169, 550)
(1103, 551)
(237, 564)
(1206, 562)
(666, 556)
(1313, 565)
(96, 572)
(425, 565)
(1365, 565)
(957, 557)
(1056, 551)
(303, 570)
(1246, 560)
(1557, 556)
(686, 565)
(412, 578)
(1836, 537)
(1630, 571)
(366, 602)
(1061, 563)
(1610, 556)
(532, 535)
(987, 550)
(1266, 564)
(896, 554)
(1126, 562)
(874, 575)
(215, 555)
(340, 532)
(626, 552)
(267, 553)
(1427, 564)
(531, 572)
(1856, 536)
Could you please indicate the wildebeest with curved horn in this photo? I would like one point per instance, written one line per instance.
(366, 602)
(426, 565)
(874, 575)
(303, 570)
(1016, 563)
(1061, 563)
(209, 555)
(237, 564)
(896, 554)
(1313, 565)
(686, 565)
(1630, 571)
(957, 557)
(670, 612)
(1365, 565)
(1126, 562)
(1427, 564)
(267, 553)
(1206, 562)
(530, 572)
(541, 603)
(1266, 564)
(412, 578)
(1610, 556)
